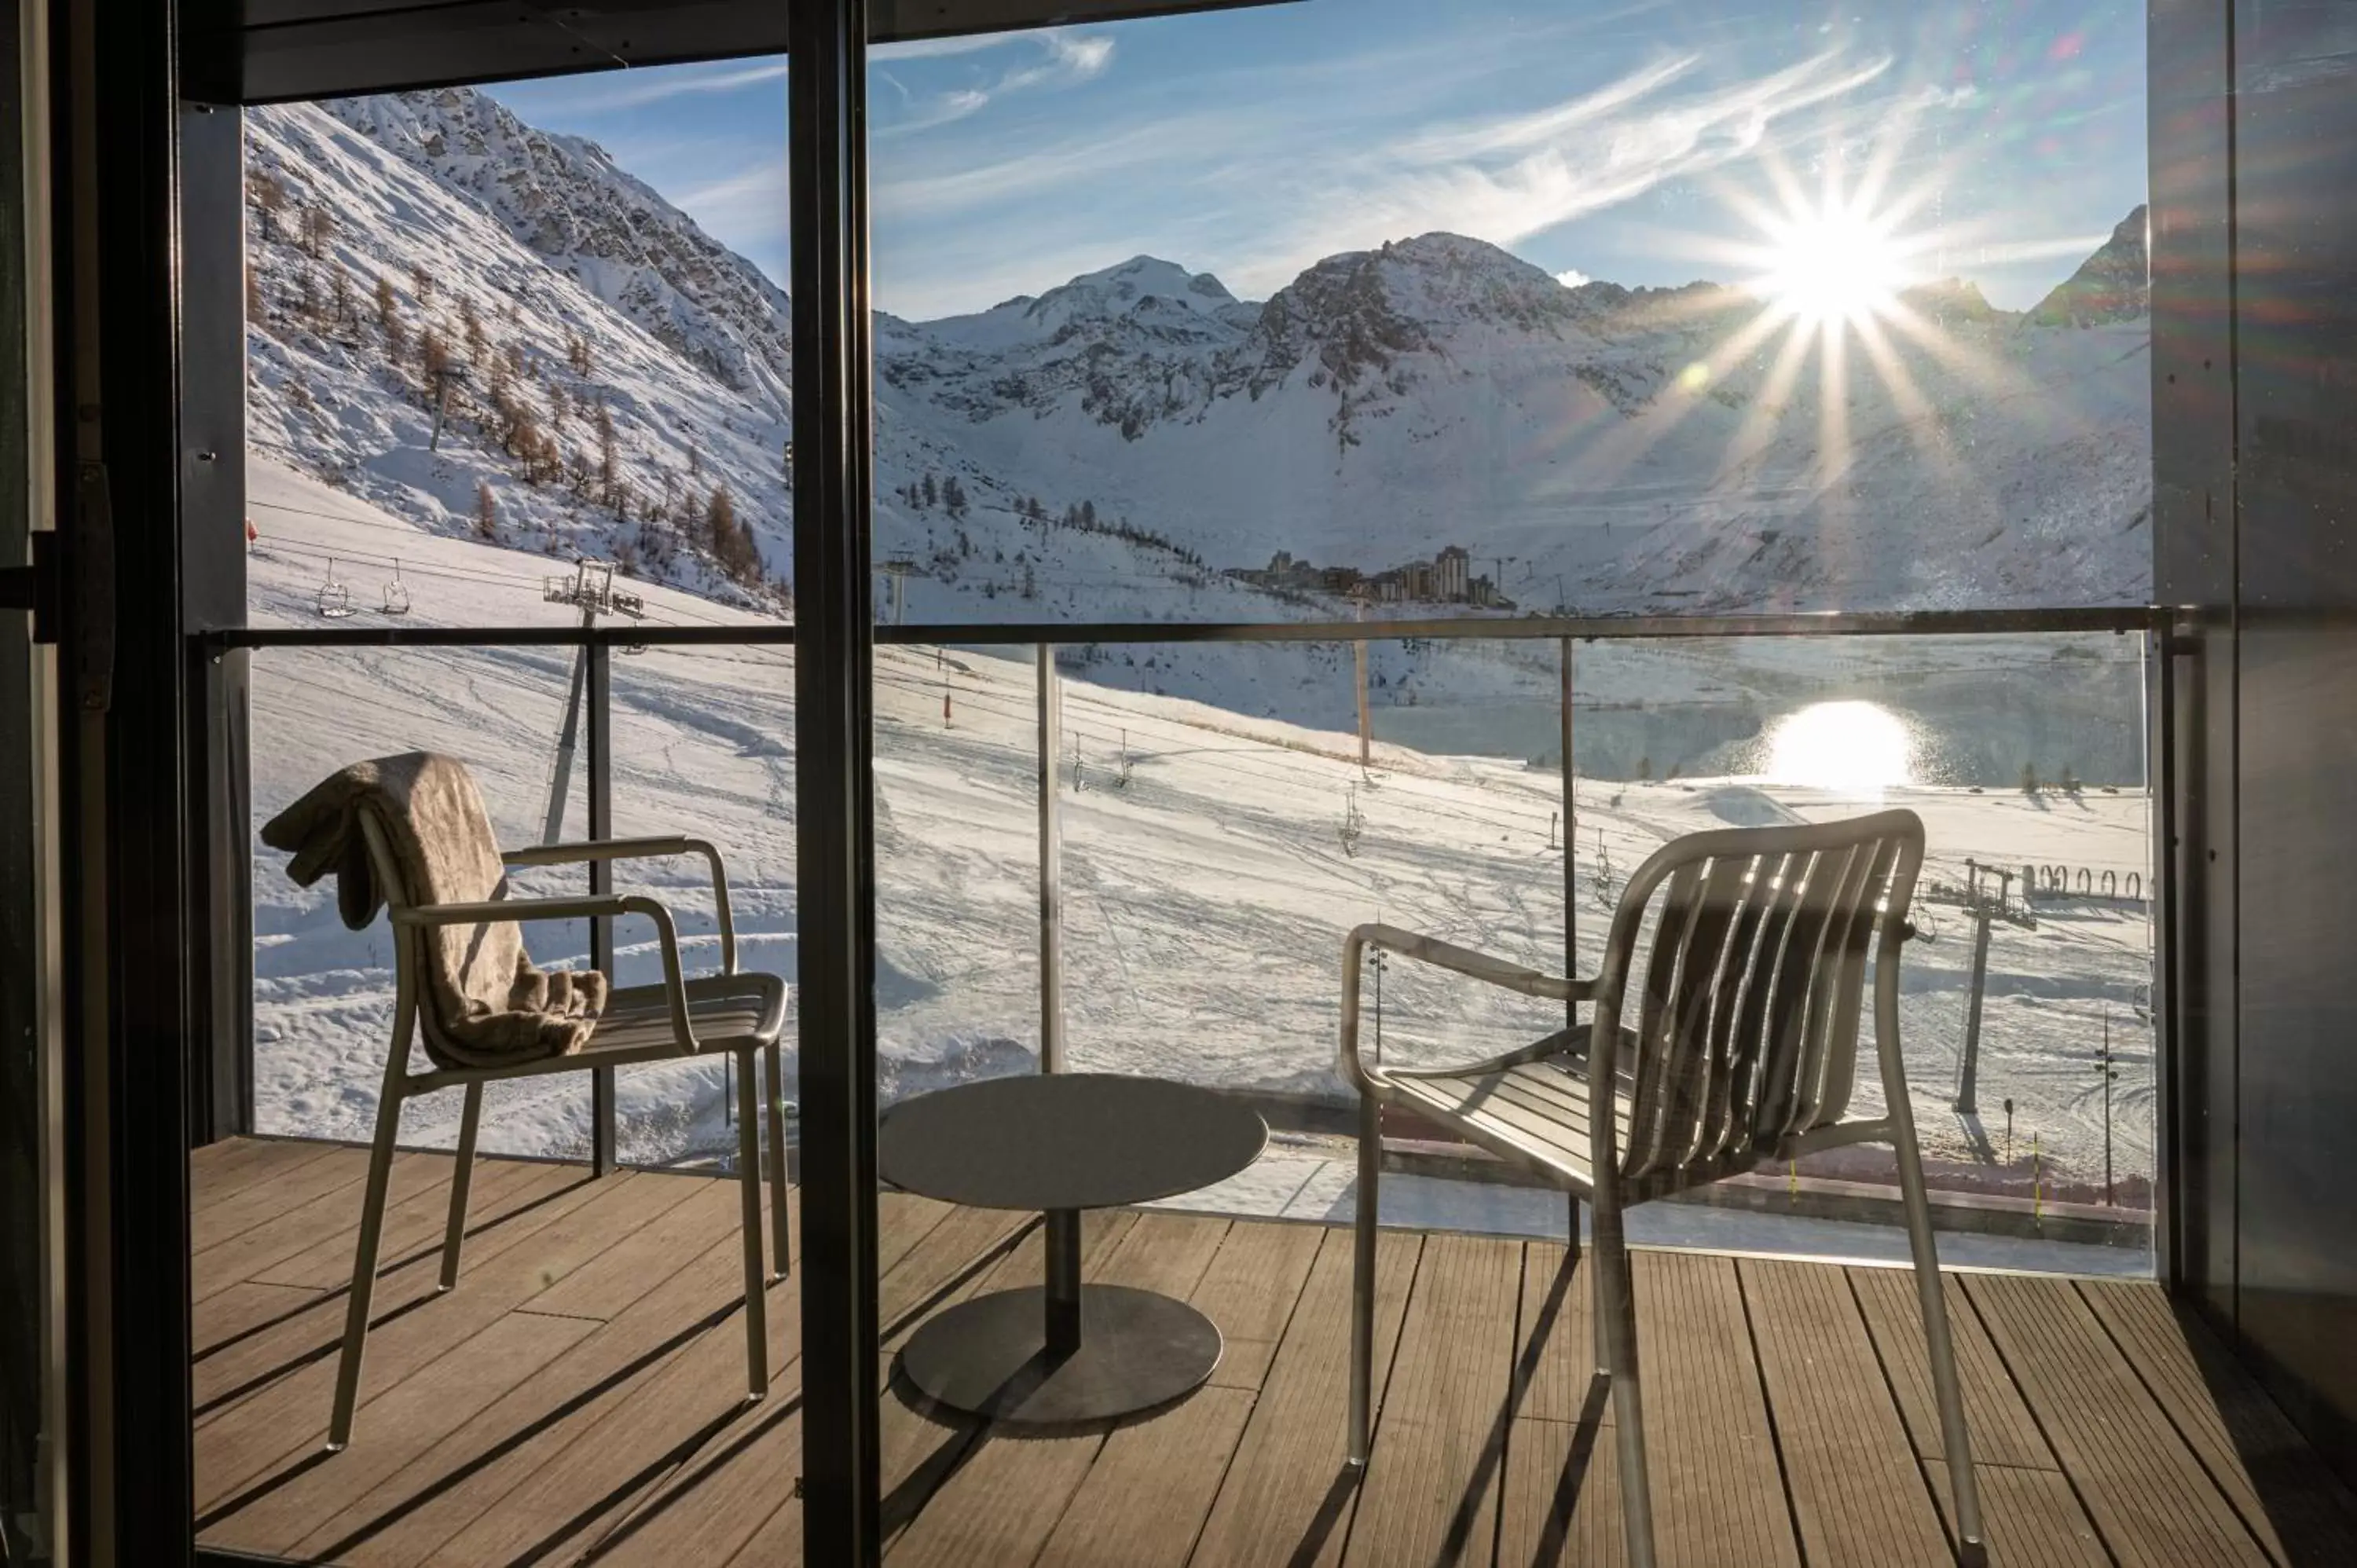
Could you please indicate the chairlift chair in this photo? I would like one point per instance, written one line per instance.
(333, 600)
(396, 592)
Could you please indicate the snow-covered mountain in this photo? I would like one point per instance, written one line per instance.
(1115, 444)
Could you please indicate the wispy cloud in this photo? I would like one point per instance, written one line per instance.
(1518, 175)
(1063, 60)
(660, 87)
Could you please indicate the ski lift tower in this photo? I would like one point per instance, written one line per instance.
(1985, 906)
(590, 589)
(900, 569)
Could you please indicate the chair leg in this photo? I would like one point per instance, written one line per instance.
(1571, 1237)
(781, 1231)
(1971, 1545)
(1616, 1313)
(363, 1287)
(454, 1239)
(748, 1184)
(1362, 1282)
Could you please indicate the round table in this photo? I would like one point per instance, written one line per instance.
(1059, 1143)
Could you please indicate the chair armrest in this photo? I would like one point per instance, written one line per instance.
(1442, 955)
(589, 906)
(655, 848)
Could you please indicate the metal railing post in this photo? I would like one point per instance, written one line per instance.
(1051, 879)
(601, 880)
(1570, 895)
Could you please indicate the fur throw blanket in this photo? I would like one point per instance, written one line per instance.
(482, 1002)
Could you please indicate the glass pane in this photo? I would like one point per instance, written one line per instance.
(702, 745)
(957, 858)
(323, 998)
(1241, 316)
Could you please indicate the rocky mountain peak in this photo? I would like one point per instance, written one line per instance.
(565, 198)
(2113, 284)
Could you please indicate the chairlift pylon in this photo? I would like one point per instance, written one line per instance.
(334, 600)
(396, 592)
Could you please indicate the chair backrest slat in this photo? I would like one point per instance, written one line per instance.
(1653, 1009)
(1727, 1005)
(1685, 1077)
(1828, 1070)
(1746, 997)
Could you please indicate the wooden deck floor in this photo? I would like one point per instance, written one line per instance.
(578, 1399)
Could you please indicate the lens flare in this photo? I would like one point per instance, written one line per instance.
(1832, 264)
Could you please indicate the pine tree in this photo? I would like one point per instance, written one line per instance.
(607, 465)
(421, 284)
(953, 497)
(1088, 514)
(318, 231)
(388, 306)
(268, 194)
(471, 323)
(931, 495)
(339, 292)
(720, 523)
(487, 511)
(433, 353)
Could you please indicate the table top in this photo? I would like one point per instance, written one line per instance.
(1078, 1139)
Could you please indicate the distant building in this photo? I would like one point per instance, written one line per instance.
(1452, 574)
(1415, 580)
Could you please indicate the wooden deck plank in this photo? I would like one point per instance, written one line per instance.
(217, 1172)
(1717, 1494)
(1562, 1500)
(414, 1222)
(2298, 1508)
(1433, 1480)
(415, 1414)
(432, 1495)
(288, 1418)
(945, 1267)
(243, 1310)
(210, 1224)
(2001, 1428)
(2144, 1490)
(242, 1366)
(1554, 1356)
(1012, 1488)
(1288, 1494)
(1251, 1291)
(557, 1512)
(600, 1496)
(637, 1263)
(2031, 1517)
(415, 1179)
(578, 1399)
(1851, 1473)
(1145, 1500)
(927, 1448)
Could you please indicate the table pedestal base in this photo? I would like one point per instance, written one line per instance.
(989, 1357)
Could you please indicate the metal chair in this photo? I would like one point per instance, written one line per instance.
(718, 1015)
(1730, 1040)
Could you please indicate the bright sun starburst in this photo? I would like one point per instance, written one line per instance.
(1833, 263)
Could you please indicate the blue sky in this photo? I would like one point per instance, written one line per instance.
(1632, 140)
